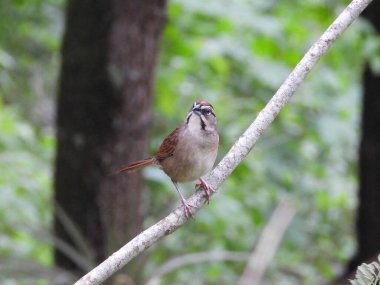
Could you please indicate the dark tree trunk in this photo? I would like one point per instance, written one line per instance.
(105, 93)
(368, 213)
(368, 221)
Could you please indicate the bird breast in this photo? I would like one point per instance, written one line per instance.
(194, 155)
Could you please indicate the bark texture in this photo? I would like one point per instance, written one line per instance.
(104, 99)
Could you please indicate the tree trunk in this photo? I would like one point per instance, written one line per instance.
(368, 222)
(105, 93)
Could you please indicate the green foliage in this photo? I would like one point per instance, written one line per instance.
(25, 183)
(30, 34)
(368, 274)
(29, 45)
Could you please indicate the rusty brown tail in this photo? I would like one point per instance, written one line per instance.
(137, 165)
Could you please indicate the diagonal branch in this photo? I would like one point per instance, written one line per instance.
(236, 154)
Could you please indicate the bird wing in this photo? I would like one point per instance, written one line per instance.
(168, 146)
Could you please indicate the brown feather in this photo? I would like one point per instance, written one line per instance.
(168, 146)
(137, 165)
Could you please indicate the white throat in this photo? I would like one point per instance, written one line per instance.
(194, 124)
(198, 124)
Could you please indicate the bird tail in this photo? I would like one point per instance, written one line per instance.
(137, 165)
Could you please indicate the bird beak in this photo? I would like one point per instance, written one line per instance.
(196, 110)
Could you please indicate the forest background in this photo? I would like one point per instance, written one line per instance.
(234, 54)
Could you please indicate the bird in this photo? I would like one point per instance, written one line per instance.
(187, 153)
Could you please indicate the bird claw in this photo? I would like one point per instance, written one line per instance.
(187, 209)
(208, 190)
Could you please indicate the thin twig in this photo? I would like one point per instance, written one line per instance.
(27, 270)
(268, 243)
(75, 234)
(236, 154)
(195, 258)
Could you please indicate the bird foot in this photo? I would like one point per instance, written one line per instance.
(208, 190)
(187, 209)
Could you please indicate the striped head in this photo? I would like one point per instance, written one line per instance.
(202, 113)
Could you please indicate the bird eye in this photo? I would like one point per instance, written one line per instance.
(206, 111)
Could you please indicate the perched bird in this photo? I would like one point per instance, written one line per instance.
(189, 152)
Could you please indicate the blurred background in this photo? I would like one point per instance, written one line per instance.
(87, 86)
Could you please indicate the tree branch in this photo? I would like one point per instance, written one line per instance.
(236, 154)
(194, 258)
(268, 243)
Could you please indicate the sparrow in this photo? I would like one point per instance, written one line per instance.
(188, 152)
